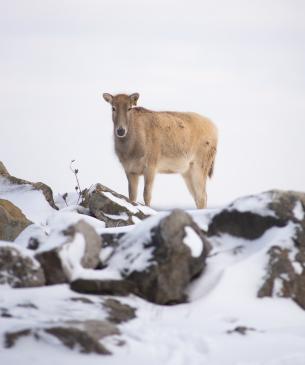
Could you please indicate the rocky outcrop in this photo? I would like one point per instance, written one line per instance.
(251, 217)
(156, 260)
(114, 209)
(45, 189)
(12, 221)
(285, 271)
(80, 249)
(18, 269)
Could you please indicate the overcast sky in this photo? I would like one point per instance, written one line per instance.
(241, 63)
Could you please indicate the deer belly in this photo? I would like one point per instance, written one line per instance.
(173, 166)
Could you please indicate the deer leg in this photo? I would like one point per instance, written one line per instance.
(133, 182)
(199, 178)
(149, 176)
(189, 183)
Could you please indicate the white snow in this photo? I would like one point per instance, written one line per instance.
(122, 202)
(193, 241)
(131, 255)
(255, 204)
(298, 211)
(71, 254)
(32, 202)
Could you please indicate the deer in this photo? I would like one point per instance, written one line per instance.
(149, 142)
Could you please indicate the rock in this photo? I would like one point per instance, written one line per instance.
(80, 249)
(118, 312)
(45, 189)
(156, 260)
(81, 335)
(12, 221)
(103, 286)
(52, 266)
(250, 217)
(18, 269)
(114, 209)
(3, 170)
(90, 258)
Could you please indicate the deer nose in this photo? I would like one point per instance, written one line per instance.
(121, 132)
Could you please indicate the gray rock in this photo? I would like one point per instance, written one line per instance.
(19, 270)
(90, 259)
(118, 312)
(114, 209)
(52, 266)
(56, 268)
(12, 221)
(276, 208)
(155, 263)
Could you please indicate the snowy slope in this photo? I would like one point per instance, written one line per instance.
(223, 323)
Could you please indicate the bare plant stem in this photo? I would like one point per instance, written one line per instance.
(75, 172)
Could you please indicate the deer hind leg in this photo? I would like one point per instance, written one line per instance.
(149, 176)
(187, 176)
(133, 182)
(199, 176)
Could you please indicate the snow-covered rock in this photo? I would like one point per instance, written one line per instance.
(66, 253)
(8, 179)
(17, 268)
(271, 225)
(34, 199)
(156, 260)
(114, 209)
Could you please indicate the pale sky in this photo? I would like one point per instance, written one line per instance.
(241, 63)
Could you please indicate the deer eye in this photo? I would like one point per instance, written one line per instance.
(113, 109)
(129, 109)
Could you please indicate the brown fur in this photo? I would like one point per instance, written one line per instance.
(163, 142)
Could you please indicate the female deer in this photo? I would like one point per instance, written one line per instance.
(149, 142)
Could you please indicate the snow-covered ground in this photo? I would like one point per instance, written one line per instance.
(224, 323)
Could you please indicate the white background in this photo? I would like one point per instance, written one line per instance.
(241, 63)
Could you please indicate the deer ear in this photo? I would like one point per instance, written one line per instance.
(134, 98)
(108, 97)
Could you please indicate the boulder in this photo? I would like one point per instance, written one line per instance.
(80, 248)
(18, 269)
(285, 271)
(45, 189)
(114, 209)
(156, 260)
(250, 218)
(12, 221)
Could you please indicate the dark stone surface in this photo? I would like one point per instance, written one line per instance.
(19, 270)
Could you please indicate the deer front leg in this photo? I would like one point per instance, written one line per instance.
(133, 182)
(149, 176)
